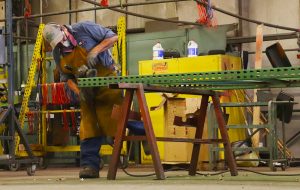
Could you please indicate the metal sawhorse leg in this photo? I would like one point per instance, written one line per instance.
(150, 136)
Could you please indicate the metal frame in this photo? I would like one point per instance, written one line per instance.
(9, 113)
(139, 90)
(270, 127)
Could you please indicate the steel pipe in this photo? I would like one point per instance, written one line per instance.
(143, 16)
(271, 37)
(11, 80)
(24, 38)
(94, 8)
(286, 50)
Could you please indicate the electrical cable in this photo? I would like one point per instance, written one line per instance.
(211, 174)
(134, 175)
(267, 174)
(207, 174)
(247, 170)
(247, 19)
(152, 174)
(124, 166)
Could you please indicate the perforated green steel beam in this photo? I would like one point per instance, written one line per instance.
(221, 80)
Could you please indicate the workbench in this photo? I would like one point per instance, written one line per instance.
(139, 90)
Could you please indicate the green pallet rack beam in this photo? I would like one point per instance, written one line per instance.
(222, 80)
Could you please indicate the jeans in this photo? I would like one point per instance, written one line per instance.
(89, 152)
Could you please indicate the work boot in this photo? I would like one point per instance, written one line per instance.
(88, 172)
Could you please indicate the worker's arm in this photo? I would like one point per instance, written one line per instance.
(104, 45)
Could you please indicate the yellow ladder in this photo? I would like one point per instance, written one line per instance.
(36, 58)
(120, 47)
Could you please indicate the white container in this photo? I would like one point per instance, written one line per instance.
(192, 49)
(158, 51)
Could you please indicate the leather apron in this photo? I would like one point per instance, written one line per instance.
(96, 103)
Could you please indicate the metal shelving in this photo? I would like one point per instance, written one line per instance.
(275, 149)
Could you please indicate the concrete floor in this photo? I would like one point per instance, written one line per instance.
(67, 178)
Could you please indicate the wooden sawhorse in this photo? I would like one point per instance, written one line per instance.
(140, 89)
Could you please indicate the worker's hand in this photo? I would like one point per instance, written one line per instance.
(81, 71)
(92, 59)
(91, 73)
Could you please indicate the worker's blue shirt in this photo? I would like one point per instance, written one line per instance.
(88, 35)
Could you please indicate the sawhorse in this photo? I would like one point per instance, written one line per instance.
(140, 89)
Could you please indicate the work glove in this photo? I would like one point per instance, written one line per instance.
(81, 71)
(92, 59)
(91, 73)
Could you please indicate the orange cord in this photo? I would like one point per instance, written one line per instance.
(27, 9)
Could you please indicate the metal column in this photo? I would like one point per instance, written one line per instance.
(10, 64)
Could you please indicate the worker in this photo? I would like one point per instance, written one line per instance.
(82, 50)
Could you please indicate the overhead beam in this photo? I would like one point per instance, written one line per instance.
(93, 9)
(271, 37)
